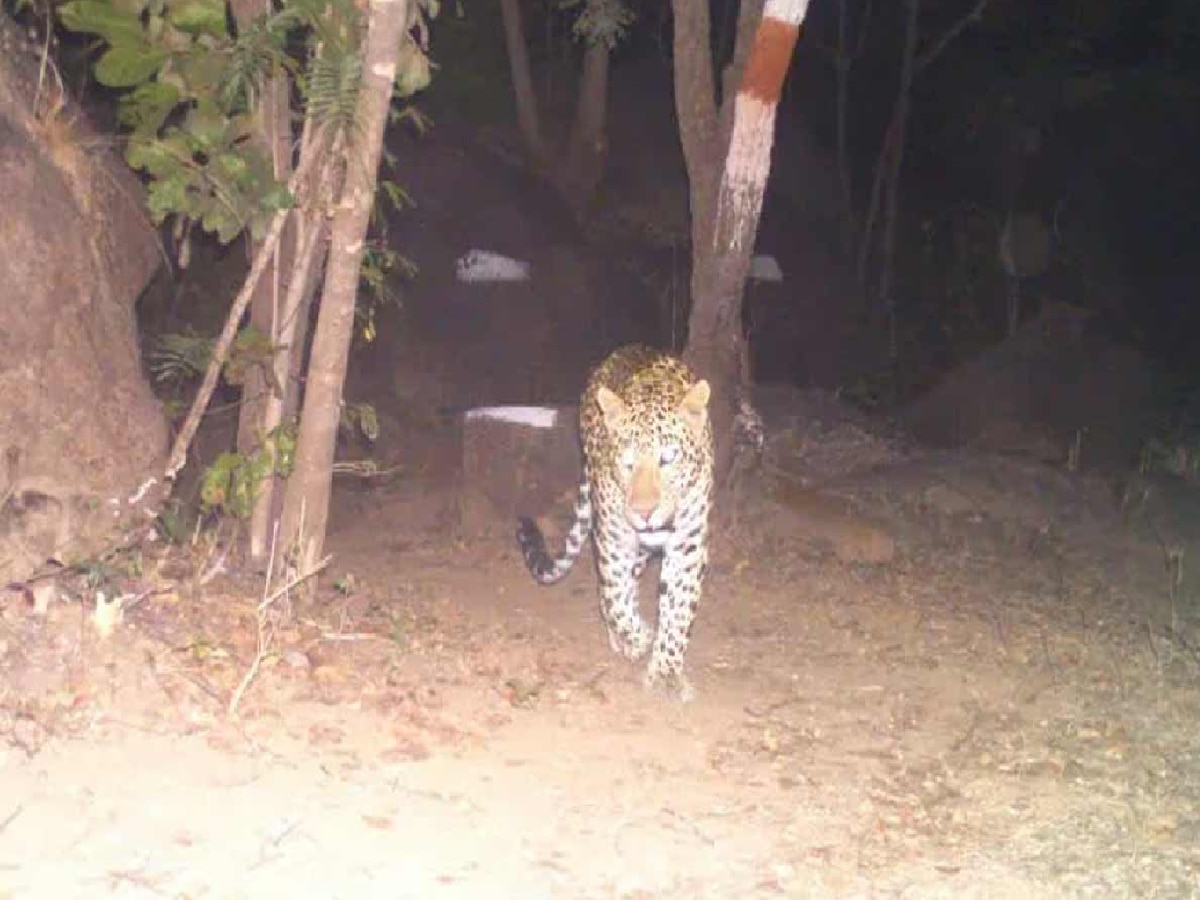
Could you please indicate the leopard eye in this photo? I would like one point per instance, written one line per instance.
(627, 459)
(668, 455)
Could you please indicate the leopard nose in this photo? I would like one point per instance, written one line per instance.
(643, 508)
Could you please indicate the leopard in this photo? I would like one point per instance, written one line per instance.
(646, 489)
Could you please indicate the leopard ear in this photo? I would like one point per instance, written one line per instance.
(694, 405)
(612, 406)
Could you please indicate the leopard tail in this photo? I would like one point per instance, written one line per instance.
(545, 568)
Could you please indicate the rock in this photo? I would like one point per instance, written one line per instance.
(79, 426)
(517, 461)
(1054, 384)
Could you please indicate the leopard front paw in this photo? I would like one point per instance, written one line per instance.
(673, 685)
(633, 646)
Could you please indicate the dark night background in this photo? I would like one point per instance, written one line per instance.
(1085, 114)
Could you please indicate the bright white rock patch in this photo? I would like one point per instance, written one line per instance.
(485, 266)
(532, 416)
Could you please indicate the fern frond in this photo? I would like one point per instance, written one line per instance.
(331, 88)
(180, 356)
(259, 50)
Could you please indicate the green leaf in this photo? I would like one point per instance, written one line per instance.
(221, 221)
(98, 17)
(151, 156)
(125, 66)
(159, 156)
(137, 7)
(230, 167)
(202, 72)
(169, 196)
(199, 17)
(396, 195)
(368, 421)
(205, 123)
(259, 225)
(414, 73)
(214, 487)
(239, 128)
(277, 197)
(146, 108)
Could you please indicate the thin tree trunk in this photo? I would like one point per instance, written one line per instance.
(895, 127)
(588, 149)
(306, 509)
(288, 364)
(896, 162)
(843, 61)
(257, 413)
(872, 213)
(220, 352)
(307, 231)
(518, 63)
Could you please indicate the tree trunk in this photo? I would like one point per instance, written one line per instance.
(308, 230)
(574, 168)
(258, 413)
(716, 346)
(309, 248)
(891, 212)
(696, 111)
(727, 201)
(306, 509)
(518, 64)
(843, 59)
(887, 157)
(587, 152)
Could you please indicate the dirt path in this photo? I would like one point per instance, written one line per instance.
(967, 724)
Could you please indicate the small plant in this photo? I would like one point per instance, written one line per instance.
(602, 21)
(178, 357)
(375, 277)
(361, 418)
(1174, 445)
(1173, 454)
(231, 483)
(172, 522)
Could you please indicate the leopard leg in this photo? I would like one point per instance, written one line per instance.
(620, 561)
(684, 565)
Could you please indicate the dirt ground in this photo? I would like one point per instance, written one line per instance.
(1008, 708)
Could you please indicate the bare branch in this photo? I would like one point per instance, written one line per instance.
(975, 15)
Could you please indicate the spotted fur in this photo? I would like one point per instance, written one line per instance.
(647, 488)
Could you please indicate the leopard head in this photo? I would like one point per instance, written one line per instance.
(660, 452)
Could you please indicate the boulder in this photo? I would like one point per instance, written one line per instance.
(517, 461)
(1057, 383)
(80, 429)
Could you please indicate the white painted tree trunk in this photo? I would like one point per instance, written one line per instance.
(728, 179)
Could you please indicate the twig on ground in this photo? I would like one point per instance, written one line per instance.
(266, 637)
(365, 468)
(355, 636)
(296, 581)
(211, 567)
(11, 817)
